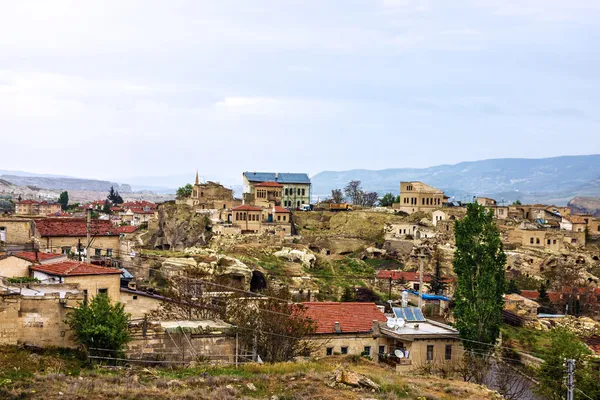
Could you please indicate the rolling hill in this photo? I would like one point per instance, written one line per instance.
(551, 180)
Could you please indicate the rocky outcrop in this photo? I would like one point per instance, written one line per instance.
(308, 260)
(354, 379)
(179, 227)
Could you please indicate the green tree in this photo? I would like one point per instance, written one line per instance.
(348, 295)
(565, 345)
(516, 202)
(184, 191)
(63, 200)
(512, 287)
(438, 283)
(479, 265)
(387, 200)
(106, 208)
(98, 324)
(114, 197)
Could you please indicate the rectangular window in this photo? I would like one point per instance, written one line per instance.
(429, 352)
(448, 352)
(381, 350)
(135, 297)
(109, 252)
(344, 349)
(417, 286)
(97, 252)
(549, 241)
(367, 351)
(85, 296)
(329, 351)
(531, 240)
(103, 291)
(303, 192)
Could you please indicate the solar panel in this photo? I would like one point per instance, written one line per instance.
(409, 314)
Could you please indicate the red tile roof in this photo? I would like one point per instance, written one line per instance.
(554, 297)
(31, 256)
(353, 317)
(246, 207)
(269, 184)
(73, 268)
(73, 227)
(141, 203)
(127, 229)
(279, 209)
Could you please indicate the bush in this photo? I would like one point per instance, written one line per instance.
(98, 324)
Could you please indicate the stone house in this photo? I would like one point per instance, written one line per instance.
(417, 196)
(138, 303)
(407, 230)
(92, 279)
(296, 189)
(447, 214)
(33, 207)
(17, 264)
(254, 219)
(574, 223)
(267, 194)
(420, 342)
(17, 234)
(346, 328)
(411, 281)
(210, 196)
(551, 239)
(521, 305)
(62, 235)
(500, 212)
(486, 201)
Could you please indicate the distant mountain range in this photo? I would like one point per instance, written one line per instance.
(64, 183)
(548, 180)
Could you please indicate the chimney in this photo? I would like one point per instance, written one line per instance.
(416, 327)
(276, 176)
(337, 327)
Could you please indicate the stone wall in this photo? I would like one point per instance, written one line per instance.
(36, 320)
(12, 266)
(18, 230)
(138, 305)
(9, 319)
(153, 342)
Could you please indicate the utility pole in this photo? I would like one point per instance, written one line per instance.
(421, 279)
(570, 383)
(89, 235)
(390, 288)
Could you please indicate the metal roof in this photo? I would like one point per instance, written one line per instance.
(284, 177)
(409, 314)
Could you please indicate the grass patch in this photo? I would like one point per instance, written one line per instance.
(526, 339)
(378, 264)
(164, 253)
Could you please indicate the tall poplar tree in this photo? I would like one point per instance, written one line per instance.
(479, 265)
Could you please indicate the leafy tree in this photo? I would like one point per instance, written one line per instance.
(369, 199)
(63, 200)
(437, 284)
(366, 295)
(512, 287)
(337, 196)
(184, 191)
(387, 200)
(348, 295)
(565, 345)
(516, 202)
(479, 265)
(98, 324)
(185, 298)
(354, 192)
(273, 328)
(106, 208)
(114, 197)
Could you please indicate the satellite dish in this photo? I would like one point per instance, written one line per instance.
(391, 323)
(400, 322)
(399, 353)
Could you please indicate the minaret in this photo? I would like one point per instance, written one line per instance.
(197, 181)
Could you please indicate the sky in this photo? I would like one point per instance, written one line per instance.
(119, 89)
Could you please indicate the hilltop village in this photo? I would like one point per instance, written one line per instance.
(375, 276)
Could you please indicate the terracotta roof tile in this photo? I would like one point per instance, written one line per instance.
(73, 227)
(353, 317)
(74, 268)
(31, 256)
(127, 229)
(246, 207)
(279, 209)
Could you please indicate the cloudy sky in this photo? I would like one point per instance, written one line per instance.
(116, 89)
